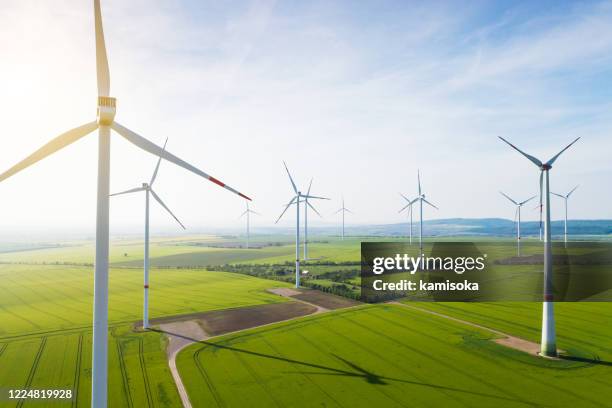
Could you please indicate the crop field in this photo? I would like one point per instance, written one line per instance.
(46, 316)
(138, 370)
(386, 355)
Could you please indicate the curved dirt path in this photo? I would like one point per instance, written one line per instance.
(180, 335)
(507, 340)
(184, 333)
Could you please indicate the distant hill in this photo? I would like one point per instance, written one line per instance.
(478, 226)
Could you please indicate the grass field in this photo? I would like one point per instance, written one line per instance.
(138, 369)
(381, 355)
(384, 355)
(46, 316)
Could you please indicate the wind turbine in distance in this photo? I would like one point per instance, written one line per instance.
(297, 199)
(548, 346)
(306, 205)
(517, 218)
(248, 213)
(565, 198)
(106, 109)
(148, 189)
(344, 210)
(421, 199)
(409, 207)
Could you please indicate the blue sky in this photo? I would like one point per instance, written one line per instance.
(357, 95)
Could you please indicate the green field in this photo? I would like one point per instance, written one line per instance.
(45, 310)
(377, 355)
(387, 355)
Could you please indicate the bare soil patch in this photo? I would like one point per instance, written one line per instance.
(231, 320)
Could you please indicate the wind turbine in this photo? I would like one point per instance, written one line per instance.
(548, 346)
(105, 121)
(517, 217)
(409, 207)
(344, 210)
(307, 204)
(297, 199)
(148, 189)
(421, 199)
(565, 198)
(248, 213)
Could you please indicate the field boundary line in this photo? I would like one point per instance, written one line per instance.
(41, 348)
(506, 339)
(77, 372)
(143, 367)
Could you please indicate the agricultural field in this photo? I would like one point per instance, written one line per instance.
(138, 369)
(389, 355)
(46, 306)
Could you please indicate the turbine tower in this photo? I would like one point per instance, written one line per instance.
(248, 213)
(344, 210)
(307, 204)
(565, 198)
(148, 189)
(409, 207)
(517, 218)
(297, 199)
(548, 346)
(106, 109)
(421, 199)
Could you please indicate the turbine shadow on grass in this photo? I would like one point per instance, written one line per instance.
(586, 360)
(359, 372)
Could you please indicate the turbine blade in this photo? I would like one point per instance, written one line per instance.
(541, 188)
(424, 200)
(309, 185)
(570, 193)
(404, 207)
(314, 209)
(516, 213)
(508, 198)
(156, 197)
(254, 212)
(101, 59)
(404, 197)
(157, 167)
(316, 197)
(531, 158)
(415, 200)
(551, 161)
(419, 180)
(132, 190)
(558, 195)
(527, 200)
(295, 190)
(242, 215)
(285, 210)
(51, 147)
(158, 151)
(349, 211)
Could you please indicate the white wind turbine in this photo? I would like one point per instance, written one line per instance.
(517, 218)
(421, 199)
(548, 346)
(148, 189)
(297, 199)
(565, 198)
(409, 207)
(307, 204)
(248, 213)
(344, 210)
(106, 110)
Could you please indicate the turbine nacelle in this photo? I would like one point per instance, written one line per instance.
(107, 107)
